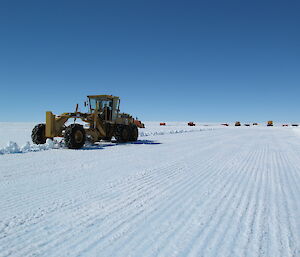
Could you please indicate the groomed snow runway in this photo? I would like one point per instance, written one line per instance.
(222, 192)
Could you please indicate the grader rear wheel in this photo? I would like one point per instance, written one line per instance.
(75, 136)
(134, 133)
(122, 133)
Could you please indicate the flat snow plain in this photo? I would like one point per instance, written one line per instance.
(179, 191)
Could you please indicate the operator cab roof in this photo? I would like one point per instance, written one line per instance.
(102, 96)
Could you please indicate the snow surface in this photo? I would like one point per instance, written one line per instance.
(21, 134)
(215, 191)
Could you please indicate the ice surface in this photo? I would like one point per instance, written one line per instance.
(178, 191)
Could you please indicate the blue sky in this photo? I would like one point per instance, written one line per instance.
(167, 60)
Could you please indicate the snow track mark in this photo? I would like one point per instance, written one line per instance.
(232, 193)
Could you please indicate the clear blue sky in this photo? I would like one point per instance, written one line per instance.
(167, 60)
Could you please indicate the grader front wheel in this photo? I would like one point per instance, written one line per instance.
(75, 136)
(38, 134)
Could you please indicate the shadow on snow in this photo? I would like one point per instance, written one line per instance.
(104, 145)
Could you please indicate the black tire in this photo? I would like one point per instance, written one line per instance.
(38, 134)
(75, 136)
(108, 131)
(134, 133)
(107, 138)
(122, 133)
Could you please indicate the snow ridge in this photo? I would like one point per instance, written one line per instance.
(155, 133)
(13, 147)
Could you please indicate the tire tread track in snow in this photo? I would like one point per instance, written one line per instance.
(216, 211)
(182, 199)
(182, 186)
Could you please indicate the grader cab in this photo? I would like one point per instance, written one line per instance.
(107, 106)
(103, 121)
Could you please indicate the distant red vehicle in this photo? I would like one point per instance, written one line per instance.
(162, 124)
(191, 123)
(225, 124)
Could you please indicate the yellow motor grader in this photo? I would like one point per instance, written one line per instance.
(103, 121)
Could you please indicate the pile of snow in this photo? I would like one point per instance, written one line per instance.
(173, 131)
(13, 147)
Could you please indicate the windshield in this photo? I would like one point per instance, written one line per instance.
(102, 104)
